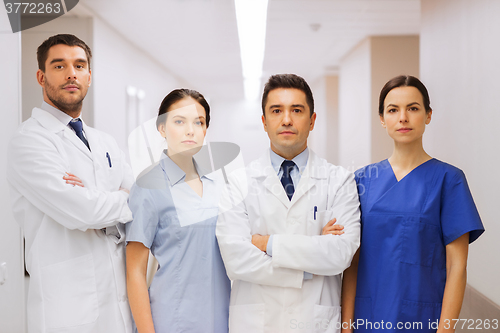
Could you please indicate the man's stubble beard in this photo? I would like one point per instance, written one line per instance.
(58, 101)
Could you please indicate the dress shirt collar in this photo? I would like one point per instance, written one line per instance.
(174, 173)
(300, 160)
(60, 115)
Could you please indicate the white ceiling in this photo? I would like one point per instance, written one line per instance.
(197, 40)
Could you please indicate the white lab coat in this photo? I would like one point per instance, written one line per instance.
(77, 273)
(269, 294)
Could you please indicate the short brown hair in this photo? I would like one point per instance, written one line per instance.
(66, 39)
(287, 81)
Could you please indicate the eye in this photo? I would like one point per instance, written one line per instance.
(58, 66)
(297, 110)
(414, 108)
(276, 111)
(199, 123)
(179, 122)
(392, 110)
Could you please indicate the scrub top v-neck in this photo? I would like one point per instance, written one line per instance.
(405, 227)
(190, 290)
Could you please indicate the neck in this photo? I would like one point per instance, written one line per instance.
(288, 154)
(74, 112)
(408, 155)
(185, 162)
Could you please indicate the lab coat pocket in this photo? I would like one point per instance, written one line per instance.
(69, 293)
(319, 220)
(248, 318)
(418, 242)
(326, 319)
(419, 316)
(362, 313)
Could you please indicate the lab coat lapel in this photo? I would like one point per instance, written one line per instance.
(266, 173)
(52, 124)
(71, 136)
(311, 175)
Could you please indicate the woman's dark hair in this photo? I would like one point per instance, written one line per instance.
(403, 81)
(176, 95)
(287, 81)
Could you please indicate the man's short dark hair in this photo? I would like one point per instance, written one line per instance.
(66, 39)
(287, 81)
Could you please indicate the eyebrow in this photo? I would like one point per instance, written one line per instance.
(182, 117)
(394, 105)
(61, 60)
(293, 106)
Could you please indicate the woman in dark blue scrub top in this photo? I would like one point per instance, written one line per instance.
(418, 218)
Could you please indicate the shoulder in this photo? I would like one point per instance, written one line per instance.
(446, 168)
(370, 170)
(447, 174)
(151, 178)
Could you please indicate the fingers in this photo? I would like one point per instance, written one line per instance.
(330, 223)
(331, 229)
(71, 179)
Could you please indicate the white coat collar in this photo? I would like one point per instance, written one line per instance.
(315, 170)
(53, 124)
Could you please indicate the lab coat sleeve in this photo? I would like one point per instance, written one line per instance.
(35, 169)
(242, 259)
(325, 254)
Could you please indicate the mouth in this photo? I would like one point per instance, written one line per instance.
(287, 133)
(71, 87)
(404, 130)
(189, 142)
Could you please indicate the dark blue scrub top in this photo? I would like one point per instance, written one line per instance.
(405, 227)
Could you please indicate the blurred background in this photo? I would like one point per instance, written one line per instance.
(226, 49)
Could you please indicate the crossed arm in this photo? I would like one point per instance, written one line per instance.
(260, 241)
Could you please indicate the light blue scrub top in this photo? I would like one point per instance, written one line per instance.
(405, 227)
(190, 291)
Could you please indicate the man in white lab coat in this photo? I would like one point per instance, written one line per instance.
(69, 185)
(276, 229)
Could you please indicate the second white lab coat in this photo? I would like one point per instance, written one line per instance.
(269, 294)
(77, 272)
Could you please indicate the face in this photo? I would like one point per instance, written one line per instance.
(404, 114)
(66, 79)
(185, 127)
(287, 121)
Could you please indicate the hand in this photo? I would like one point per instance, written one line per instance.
(331, 229)
(260, 241)
(72, 179)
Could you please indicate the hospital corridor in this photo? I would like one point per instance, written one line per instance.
(346, 50)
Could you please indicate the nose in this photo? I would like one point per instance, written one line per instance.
(71, 73)
(189, 129)
(403, 117)
(287, 118)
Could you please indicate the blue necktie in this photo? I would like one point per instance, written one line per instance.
(286, 179)
(76, 124)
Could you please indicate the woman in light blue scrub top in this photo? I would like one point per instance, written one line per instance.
(417, 218)
(174, 205)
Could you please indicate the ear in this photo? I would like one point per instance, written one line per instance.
(382, 121)
(429, 116)
(90, 77)
(161, 129)
(313, 121)
(40, 77)
(264, 122)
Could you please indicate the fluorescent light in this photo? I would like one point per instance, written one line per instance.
(251, 17)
